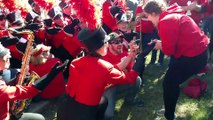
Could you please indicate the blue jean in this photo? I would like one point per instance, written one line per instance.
(126, 91)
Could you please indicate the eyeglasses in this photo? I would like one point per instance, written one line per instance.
(118, 41)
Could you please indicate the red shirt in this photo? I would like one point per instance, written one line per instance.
(115, 59)
(89, 77)
(71, 44)
(57, 85)
(180, 35)
(107, 17)
(12, 93)
(146, 25)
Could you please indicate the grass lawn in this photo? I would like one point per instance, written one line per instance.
(187, 108)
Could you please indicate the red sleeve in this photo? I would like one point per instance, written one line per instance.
(119, 77)
(107, 17)
(11, 93)
(72, 45)
(169, 34)
(58, 38)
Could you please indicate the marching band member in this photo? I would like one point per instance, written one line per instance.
(19, 92)
(41, 62)
(84, 90)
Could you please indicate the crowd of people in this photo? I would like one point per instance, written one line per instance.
(58, 46)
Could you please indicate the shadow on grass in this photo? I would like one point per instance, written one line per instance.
(187, 108)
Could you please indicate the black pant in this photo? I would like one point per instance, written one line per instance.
(73, 110)
(179, 71)
(154, 56)
(146, 38)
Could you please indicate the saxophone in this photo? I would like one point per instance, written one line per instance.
(18, 106)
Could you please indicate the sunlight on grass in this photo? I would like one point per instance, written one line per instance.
(202, 114)
(157, 80)
(129, 116)
(119, 104)
(187, 109)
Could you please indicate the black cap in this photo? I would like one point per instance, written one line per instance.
(52, 31)
(115, 10)
(14, 18)
(30, 16)
(3, 51)
(72, 28)
(121, 17)
(31, 2)
(48, 22)
(93, 39)
(53, 13)
(33, 26)
(62, 5)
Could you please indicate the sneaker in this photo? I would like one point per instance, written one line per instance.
(160, 114)
(136, 102)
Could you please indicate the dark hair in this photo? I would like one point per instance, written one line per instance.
(154, 6)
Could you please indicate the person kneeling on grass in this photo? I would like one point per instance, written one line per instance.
(124, 60)
(84, 100)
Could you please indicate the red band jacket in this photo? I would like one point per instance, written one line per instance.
(90, 75)
(57, 85)
(12, 93)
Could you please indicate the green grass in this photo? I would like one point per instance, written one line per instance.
(187, 108)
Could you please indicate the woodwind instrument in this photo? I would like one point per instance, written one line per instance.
(19, 106)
